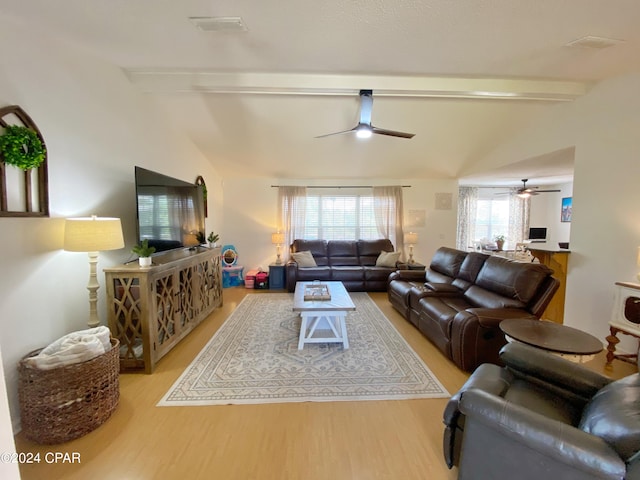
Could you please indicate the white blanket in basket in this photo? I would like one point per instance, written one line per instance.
(76, 347)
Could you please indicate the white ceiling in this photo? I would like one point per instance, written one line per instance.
(254, 101)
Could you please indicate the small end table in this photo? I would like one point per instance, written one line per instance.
(568, 342)
(277, 276)
(416, 266)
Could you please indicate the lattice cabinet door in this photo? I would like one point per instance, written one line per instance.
(210, 285)
(189, 287)
(164, 312)
(126, 319)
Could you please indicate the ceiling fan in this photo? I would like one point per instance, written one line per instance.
(364, 129)
(526, 192)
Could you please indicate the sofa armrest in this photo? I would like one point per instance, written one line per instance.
(487, 377)
(408, 275)
(534, 363)
(491, 317)
(490, 417)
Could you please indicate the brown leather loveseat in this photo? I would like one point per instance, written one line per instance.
(459, 302)
(352, 262)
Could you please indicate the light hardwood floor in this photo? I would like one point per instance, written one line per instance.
(371, 440)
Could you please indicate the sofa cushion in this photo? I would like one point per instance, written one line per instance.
(347, 274)
(469, 269)
(514, 280)
(541, 400)
(613, 415)
(480, 297)
(442, 310)
(304, 259)
(388, 259)
(369, 250)
(342, 252)
(318, 249)
(308, 274)
(431, 276)
(447, 261)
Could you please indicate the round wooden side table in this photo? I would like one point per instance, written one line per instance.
(571, 343)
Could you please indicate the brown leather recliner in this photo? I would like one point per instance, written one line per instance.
(465, 297)
(543, 417)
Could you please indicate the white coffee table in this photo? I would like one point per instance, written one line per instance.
(323, 315)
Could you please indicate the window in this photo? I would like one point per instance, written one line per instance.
(340, 217)
(492, 218)
(484, 213)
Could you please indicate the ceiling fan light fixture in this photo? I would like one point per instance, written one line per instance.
(524, 194)
(364, 131)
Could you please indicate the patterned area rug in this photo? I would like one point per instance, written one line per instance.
(254, 358)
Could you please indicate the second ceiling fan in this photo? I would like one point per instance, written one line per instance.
(364, 129)
(525, 191)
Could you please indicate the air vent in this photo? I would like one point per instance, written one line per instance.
(219, 24)
(593, 42)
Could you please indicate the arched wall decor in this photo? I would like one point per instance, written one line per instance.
(200, 183)
(23, 193)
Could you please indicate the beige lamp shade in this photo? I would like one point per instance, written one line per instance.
(92, 234)
(410, 238)
(277, 238)
(190, 240)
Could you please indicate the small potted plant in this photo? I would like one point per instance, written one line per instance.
(499, 239)
(212, 239)
(144, 252)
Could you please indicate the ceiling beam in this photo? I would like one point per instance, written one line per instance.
(159, 81)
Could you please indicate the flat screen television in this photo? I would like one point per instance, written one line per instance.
(170, 212)
(538, 233)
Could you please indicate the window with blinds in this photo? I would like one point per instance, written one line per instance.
(340, 217)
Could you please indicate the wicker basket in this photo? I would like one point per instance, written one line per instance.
(67, 402)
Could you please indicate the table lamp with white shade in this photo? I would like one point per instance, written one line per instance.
(277, 239)
(92, 235)
(411, 239)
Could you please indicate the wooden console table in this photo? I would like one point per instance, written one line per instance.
(556, 260)
(151, 309)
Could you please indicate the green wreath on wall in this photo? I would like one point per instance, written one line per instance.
(21, 147)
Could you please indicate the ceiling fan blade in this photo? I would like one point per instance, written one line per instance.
(336, 133)
(392, 133)
(545, 191)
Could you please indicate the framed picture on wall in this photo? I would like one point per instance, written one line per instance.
(565, 210)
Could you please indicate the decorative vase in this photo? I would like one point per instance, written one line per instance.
(500, 244)
(144, 261)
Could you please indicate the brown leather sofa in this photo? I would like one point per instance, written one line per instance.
(543, 417)
(352, 262)
(459, 302)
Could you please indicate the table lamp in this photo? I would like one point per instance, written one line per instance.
(91, 235)
(411, 239)
(277, 239)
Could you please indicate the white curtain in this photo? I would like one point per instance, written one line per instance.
(388, 210)
(519, 209)
(292, 206)
(467, 208)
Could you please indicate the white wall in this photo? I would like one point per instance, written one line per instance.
(250, 215)
(605, 228)
(545, 212)
(96, 127)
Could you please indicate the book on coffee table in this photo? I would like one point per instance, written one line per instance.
(316, 292)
